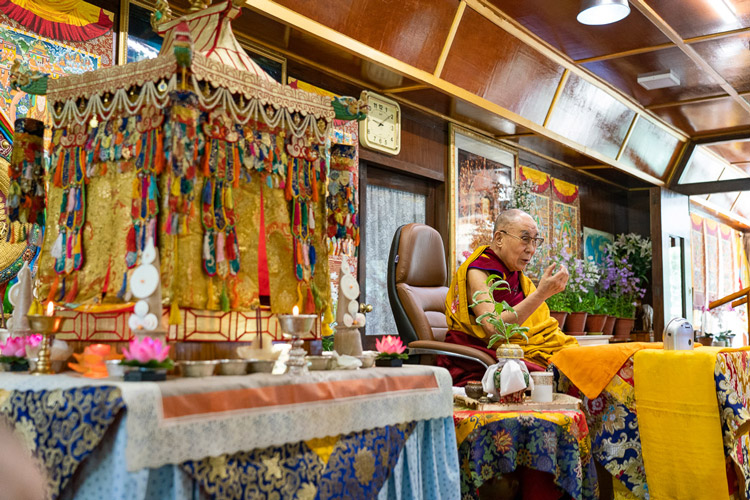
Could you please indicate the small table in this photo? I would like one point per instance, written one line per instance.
(491, 444)
(344, 433)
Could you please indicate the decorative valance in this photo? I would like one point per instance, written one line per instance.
(69, 20)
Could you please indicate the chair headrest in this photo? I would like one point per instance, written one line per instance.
(421, 256)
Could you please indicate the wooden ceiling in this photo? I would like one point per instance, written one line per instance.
(526, 71)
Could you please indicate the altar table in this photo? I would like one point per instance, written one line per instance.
(615, 434)
(491, 444)
(375, 433)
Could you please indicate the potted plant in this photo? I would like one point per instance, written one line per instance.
(390, 351)
(636, 250)
(723, 338)
(13, 352)
(507, 353)
(148, 358)
(622, 288)
(558, 308)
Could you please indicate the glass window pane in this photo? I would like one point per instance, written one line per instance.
(387, 209)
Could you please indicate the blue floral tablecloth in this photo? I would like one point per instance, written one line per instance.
(491, 444)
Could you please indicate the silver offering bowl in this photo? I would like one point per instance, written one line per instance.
(296, 325)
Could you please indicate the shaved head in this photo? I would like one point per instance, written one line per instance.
(508, 217)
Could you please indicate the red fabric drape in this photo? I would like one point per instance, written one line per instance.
(57, 30)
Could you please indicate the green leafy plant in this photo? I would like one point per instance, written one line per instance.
(637, 251)
(504, 330)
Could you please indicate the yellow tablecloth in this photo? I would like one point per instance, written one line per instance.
(678, 417)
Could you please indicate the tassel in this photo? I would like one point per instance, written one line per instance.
(175, 318)
(220, 245)
(57, 250)
(206, 158)
(70, 297)
(53, 289)
(235, 294)
(299, 295)
(325, 327)
(313, 184)
(124, 287)
(289, 175)
(236, 160)
(105, 287)
(310, 303)
(211, 299)
(311, 219)
(224, 298)
(159, 160)
(62, 292)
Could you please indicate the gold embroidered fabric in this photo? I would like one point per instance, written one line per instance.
(62, 427)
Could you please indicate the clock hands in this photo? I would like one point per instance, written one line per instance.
(380, 123)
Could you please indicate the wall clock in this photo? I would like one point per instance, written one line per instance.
(381, 130)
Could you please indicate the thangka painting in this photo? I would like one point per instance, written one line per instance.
(482, 172)
(47, 56)
(595, 243)
(556, 210)
(698, 253)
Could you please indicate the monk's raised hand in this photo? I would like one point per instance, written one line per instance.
(553, 282)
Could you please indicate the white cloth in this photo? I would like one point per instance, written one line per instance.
(153, 441)
(512, 378)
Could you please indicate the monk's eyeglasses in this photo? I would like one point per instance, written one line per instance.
(528, 240)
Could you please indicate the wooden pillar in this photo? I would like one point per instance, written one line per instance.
(671, 276)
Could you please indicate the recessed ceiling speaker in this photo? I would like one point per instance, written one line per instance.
(658, 80)
(598, 12)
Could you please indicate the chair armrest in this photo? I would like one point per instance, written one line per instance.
(448, 349)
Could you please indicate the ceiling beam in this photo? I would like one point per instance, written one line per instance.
(689, 51)
(662, 46)
(728, 186)
(682, 161)
(718, 138)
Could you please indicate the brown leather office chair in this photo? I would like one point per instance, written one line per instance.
(417, 276)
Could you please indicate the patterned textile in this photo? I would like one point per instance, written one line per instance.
(62, 427)
(155, 439)
(732, 376)
(613, 423)
(357, 466)
(492, 444)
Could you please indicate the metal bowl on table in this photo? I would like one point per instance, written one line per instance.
(318, 362)
(232, 367)
(260, 365)
(197, 368)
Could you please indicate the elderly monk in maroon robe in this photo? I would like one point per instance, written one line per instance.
(514, 242)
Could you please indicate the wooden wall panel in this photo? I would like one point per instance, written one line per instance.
(491, 63)
(590, 116)
(650, 148)
(693, 18)
(413, 31)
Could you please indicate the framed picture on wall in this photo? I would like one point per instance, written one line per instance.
(481, 175)
(594, 244)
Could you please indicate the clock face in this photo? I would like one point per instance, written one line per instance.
(382, 127)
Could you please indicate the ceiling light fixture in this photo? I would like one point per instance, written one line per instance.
(598, 12)
(658, 80)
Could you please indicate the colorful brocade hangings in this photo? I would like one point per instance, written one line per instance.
(26, 192)
(68, 172)
(342, 204)
(305, 175)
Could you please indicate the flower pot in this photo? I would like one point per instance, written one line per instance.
(609, 325)
(595, 323)
(640, 336)
(140, 374)
(389, 362)
(576, 323)
(509, 351)
(560, 316)
(623, 327)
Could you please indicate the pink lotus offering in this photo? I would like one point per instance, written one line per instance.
(148, 353)
(14, 347)
(390, 347)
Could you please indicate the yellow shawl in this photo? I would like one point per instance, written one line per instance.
(545, 338)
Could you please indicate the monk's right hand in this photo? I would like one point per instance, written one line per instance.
(550, 284)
